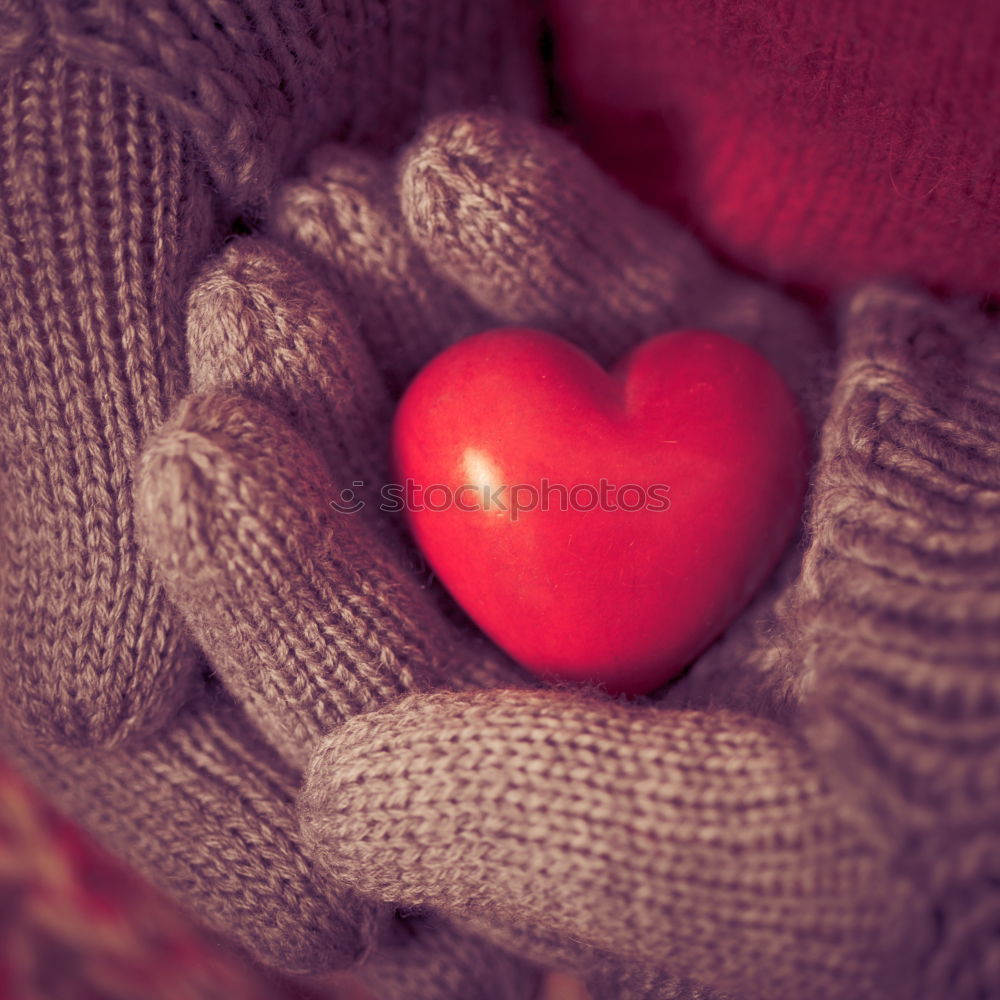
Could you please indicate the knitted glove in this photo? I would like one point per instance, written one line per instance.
(766, 859)
(130, 132)
(848, 850)
(310, 614)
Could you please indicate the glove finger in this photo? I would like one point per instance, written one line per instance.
(205, 810)
(344, 215)
(260, 323)
(309, 614)
(519, 218)
(652, 835)
(288, 597)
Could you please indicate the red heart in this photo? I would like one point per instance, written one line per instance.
(626, 598)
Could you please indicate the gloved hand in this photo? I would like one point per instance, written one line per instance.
(787, 834)
(309, 614)
(131, 135)
(106, 704)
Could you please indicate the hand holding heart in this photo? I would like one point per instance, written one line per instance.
(312, 616)
(574, 553)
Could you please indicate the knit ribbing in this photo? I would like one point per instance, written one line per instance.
(256, 83)
(101, 218)
(204, 809)
(901, 614)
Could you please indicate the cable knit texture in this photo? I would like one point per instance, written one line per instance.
(811, 811)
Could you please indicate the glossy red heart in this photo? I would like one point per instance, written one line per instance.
(694, 428)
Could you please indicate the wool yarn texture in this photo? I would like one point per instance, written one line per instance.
(133, 134)
(800, 138)
(270, 709)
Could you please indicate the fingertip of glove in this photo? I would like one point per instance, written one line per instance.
(347, 768)
(174, 469)
(470, 160)
(318, 804)
(483, 161)
(343, 214)
(218, 454)
(336, 164)
(260, 321)
(526, 224)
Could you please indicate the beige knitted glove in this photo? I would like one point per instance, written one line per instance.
(307, 614)
(848, 850)
(131, 134)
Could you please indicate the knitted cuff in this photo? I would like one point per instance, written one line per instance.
(255, 83)
(710, 841)
(204, 810)
(900, 614)
(102, 215)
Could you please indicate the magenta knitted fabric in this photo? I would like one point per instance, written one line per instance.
(818, 142)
